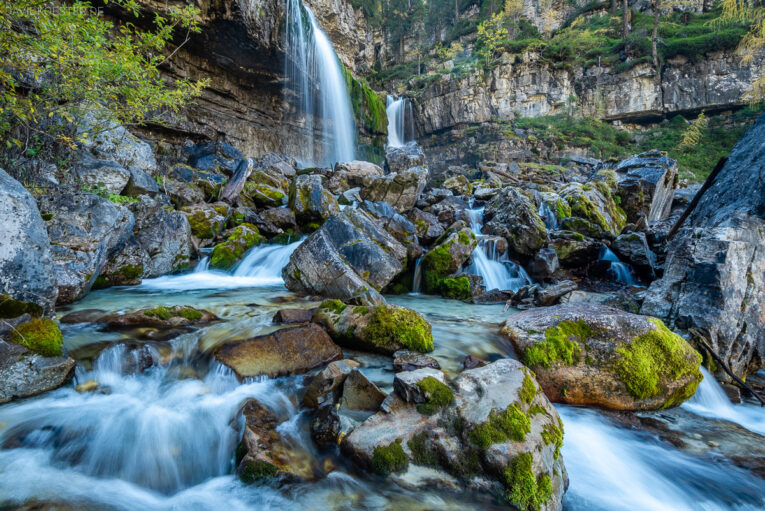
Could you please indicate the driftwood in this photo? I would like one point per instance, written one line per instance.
(703, 341)
(235, 185)
(696, 198)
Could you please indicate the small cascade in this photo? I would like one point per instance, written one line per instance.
(314, 74)
(547, 215)
(203, 265)
(400, 121)
(417, 279)
(711, 401)
(621, 272)
(497, 270)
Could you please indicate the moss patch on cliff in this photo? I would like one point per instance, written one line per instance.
(257, 470)
(509, 424)
(524, 490)
(558, 345)
(390, 458)
(40, 335)
(389, 326)
(368, 106)
(438, 395)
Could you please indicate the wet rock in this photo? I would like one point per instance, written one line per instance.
(444, 260)
(405, 360)
(126, 268)
(714, 274)
(93, 174)
(379, 329)
(351, 254)
(633, 248)
(513, 215)
(24, 373)
(88, 386)
(164, 234)
(401, 190)
(395, 223)
(398, 159)
(646, 185)
(160, 318)
(288, 351)
(85, 231)
(361, 394)
(544, 265)
(408, 384)
(239, 240)
(595, 203)
(549, 295)
(293, 316)
(493, 296)
(27, 281)
(471, 362)
(449, 210)
(310, 201)
(326, 427)
(458, 185)
(266, 189)
(206, 221)
(82, 316)
(587, 354)
(326, 386)
(427, 226)
(573, 249)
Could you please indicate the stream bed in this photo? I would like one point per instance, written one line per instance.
(164, 438)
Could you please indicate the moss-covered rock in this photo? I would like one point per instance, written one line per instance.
(445, 259)
(41, 335)
(162, 318)
(239, 240)
(380, 328)
(10, 308)
(206, 220)
(437, 395)
(389, 458)
(597, 205)
(587, 354)
(524, 490)
(513, 214)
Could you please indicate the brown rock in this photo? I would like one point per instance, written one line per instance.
(361, 394)
(292, 316)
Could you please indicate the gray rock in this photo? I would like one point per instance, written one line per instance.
(164, 234)
(398, 159)
(646, 185)
(392, 221)
(446, 258)
(293, 316)
(458, 185)
(326, 386)
(26, 265)
(275, 221)
(111, 141)
(426, 225)
(140, 183)
(513, 215)
(349, 255)
(357, 170)
(714, 274)
(24, 373)
(207, 221)
(361, 394)
(181, 193)
(633, 248)
(449, 210)
(406, 383)
(213, 156)
(310, 201)
(126, 267)
(93, 173)
(544, 265)
(405, 360)
(401, 190)
(85, 232)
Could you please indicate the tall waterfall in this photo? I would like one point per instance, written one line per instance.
(313, 73)
(400, 121)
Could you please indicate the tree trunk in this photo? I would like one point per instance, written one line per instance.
(654, 36)
(613, 6)
(456, 11)
(625, 20)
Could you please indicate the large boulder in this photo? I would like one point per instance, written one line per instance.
(165, 235)
(394, 222)
(310, 201)
(206, 221)
(292, 350)
(266, 189)
(513, 215)
(585, 354)
(380, 328)
(85, 231)
(445, 259)
(427, 226)
(213, 156)
(646, 185)
(355, 171)
(595, 203)
(126, 267)
(403, 158)
(493, 431)
(714, 273)
(350, 255)
(24, 373)
(110, 141)
(399, 189)
(93, 174)
(27, 283)
(238, 241)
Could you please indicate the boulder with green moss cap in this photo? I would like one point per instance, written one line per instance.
(458, 185)
(126, 268)
(159, 317)
(207, 221)
(310, 201)
(238, 241)
(445, 259)
(587, 354)
(596, 203)
(379, 328)
(266, 189)
(25, 373)
(399, 189)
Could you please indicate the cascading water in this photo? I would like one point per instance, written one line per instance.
(620, 271)
(547, 215)
(400, 122)
(314, 75)
(417, 278)
(497, 270)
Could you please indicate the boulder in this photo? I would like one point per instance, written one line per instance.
(399, 189)
(275, 221)
(288, 351)
(94, 174)
(126, 267)
(267, 189)
(140, 183)
(310, 201)
(449, 210)
(633, 248)
(392, 221)
(213, 156)
(445, 259)
(544, 265)
(278, 164)
(714, 273)
(513, 215)
(380, 328)
(210, 184)
(206, 221)
(85, 231)
(585, 354)
(412, 386)
(24, 373)
(110, 141)
(27, 282)
(326, 386)
(646, 184)
(239, 240)
(164, 234)
(293, 316)
(405, 360)
(402, 158)
(181, 194)
(432, 196)
(357, 170)
(361, 394)
(458, 185)
(351, 254)
(573, 249)
(159, 317)
(426, 225)
(595, 203)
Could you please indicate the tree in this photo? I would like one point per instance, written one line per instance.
(625, 20)
(692, 134)
(749, 11)
(60, 61)
(492, 36)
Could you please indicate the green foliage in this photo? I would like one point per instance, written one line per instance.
(438, 395)
(523, 490)
(510, 424)
(257, 470)
(113, 197)
(656, 357)
(390, 458)
(368, 106)
(558, 345)
(40, 335)
(61, 61)
(492, 34)
(390, 326)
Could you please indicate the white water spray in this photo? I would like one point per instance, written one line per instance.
(400, 121)
(620, 271)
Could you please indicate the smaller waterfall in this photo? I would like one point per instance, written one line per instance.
(417, 280)
(621, 272)
(547, 215)
(400, 121)
(497, 270)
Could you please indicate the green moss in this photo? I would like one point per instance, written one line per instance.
(558, 345)
(535, 410)
(422, 454)
(528, 389)
(657, 356)
(10, 308)
(523, 490)
(510, 424)
(389, 326)
(47, 216)
(562, 210)
(225, 255)
(189, 313)
(334, 306)
(361, 309)
(436, 265)
(162, 313)
(552, 434)
(40, 335)
(101, 282)
(582, 206)
(131, 271)
(165, 313)
(458, 289)
(438, 395)
(390, 458)
(284, 238)
(310, 227)
(257, 470)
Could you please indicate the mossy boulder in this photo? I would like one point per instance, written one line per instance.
(380, 328)
(25, 373)
(310, 201)
(458, 185)
(126, 268)
(41, 336)
(266, 189)
(206, 220)
(399, 189)
(513, 214)
(596, 203)
(159, 318)
(586, 354)
(445, 259)
(238, 241)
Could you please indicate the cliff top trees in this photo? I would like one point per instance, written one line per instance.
(749, 11)
(59, 60)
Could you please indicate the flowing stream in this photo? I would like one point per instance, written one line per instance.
(164, 439)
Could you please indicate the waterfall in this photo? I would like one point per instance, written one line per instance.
(620, 271)
(399, 112)
(417, 280)
(314, 74)
(547, 215)
(497, 270)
